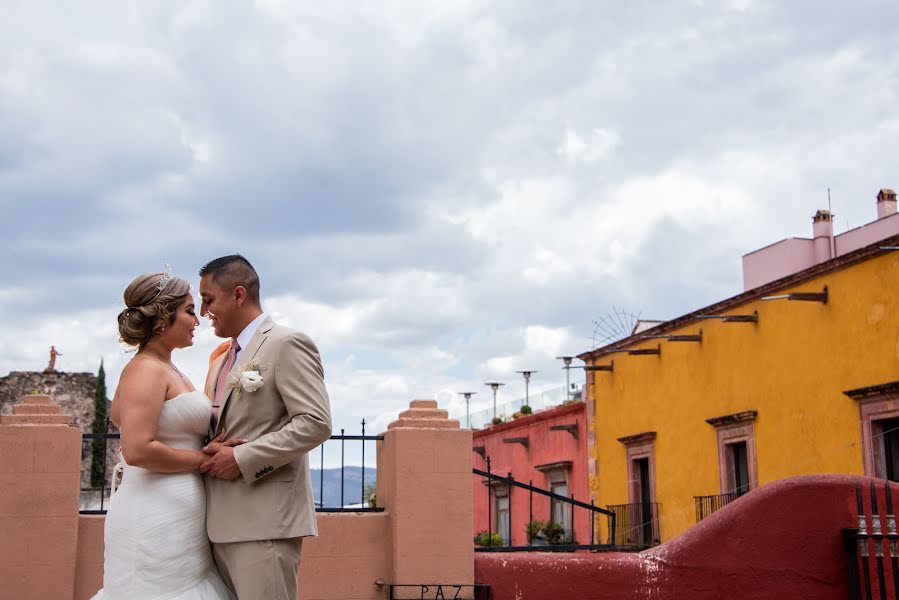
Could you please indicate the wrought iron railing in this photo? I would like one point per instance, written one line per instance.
(552, 536)
(95, 499)
(635, 525)
(364, 504)
(706, 505)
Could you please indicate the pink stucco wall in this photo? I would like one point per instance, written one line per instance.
(867, 234)
(545, 447)
(777, 260)
(795, 254)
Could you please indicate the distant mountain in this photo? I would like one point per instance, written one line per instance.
(352, 485)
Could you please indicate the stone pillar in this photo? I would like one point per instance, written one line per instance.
(425, 483)
(40, 463)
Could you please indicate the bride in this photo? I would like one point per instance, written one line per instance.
(155, 536)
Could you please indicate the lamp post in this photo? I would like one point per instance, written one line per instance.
(527, 379)
(567, 360)
(468, 396)
(495, 385)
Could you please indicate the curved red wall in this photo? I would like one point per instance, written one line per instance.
(782, 541)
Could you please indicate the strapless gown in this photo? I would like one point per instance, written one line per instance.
(156, 543)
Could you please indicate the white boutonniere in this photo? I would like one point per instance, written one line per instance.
(249, 380)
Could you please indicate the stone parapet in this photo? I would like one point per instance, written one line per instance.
(36, 409)
(424, 481)
(424, 414)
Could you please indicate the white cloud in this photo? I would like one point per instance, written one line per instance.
(439, 193)
(599, 144)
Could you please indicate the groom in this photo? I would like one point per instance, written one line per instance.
(259, 502)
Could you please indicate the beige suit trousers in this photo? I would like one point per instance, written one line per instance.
(260, 569)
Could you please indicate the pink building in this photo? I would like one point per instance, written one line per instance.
(795, 254)
(548, 450)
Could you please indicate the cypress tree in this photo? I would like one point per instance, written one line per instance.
(98, 446)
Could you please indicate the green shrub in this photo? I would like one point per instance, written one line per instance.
(488, 539)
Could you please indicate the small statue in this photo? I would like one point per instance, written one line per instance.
(53, 354)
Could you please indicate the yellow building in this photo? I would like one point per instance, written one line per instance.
(695, 411)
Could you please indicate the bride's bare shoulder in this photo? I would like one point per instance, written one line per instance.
(143, 374)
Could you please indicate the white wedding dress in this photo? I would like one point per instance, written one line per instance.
(156, 543)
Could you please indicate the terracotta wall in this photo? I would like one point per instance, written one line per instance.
(40, 461)
(423, 536)
(347, 558)
(89, 556)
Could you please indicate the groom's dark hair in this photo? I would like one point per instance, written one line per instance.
(231, 271)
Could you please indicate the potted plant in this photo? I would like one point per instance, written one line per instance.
(554, 532)
(533, 531)
(526, 410)
(497, 420)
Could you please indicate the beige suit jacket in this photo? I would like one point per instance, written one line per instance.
(283, 420)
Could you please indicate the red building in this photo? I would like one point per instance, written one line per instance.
(548, 450)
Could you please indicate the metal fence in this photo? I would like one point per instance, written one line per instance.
(635, 525)
(706, 505)
(548, 536)
(95, 498)
(364, 504)
(483, 417)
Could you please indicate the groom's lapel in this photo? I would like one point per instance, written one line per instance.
(246, 357)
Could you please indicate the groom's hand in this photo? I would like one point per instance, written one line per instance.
(221, 463)
(213, 447)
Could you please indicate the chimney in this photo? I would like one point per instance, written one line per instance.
(886, 203)
(822, 232)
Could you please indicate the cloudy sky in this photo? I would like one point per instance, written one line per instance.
(439, 193)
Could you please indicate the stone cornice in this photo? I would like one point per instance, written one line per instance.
(646, 436)
(871, 391)
(732, 419)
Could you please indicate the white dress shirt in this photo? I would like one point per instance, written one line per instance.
(247, 334)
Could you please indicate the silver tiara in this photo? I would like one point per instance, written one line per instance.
(167, 276)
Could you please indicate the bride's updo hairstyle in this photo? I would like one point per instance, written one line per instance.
(150, 308)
